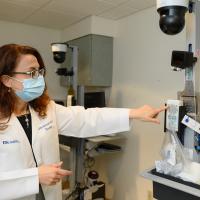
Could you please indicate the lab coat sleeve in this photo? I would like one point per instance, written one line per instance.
(19, 183)
(79, 122)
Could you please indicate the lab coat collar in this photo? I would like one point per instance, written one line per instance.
(35, 124)
(15, 122)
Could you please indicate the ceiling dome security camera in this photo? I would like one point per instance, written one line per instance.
(172, 15)
(59, 50)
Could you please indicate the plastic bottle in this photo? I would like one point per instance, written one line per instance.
(71, 101)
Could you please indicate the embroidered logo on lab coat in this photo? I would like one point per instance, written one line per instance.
(46, 126)
(10, 141)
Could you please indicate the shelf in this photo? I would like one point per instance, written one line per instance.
(98, 146)
(105, 138)
(95, 153)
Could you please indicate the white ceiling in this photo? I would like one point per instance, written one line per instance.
(59, 14)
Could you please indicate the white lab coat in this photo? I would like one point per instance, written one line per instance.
(18, 172)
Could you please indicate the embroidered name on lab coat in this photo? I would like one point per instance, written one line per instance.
(46, 126)
(10, 141)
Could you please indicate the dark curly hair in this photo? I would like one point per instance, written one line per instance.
(9, 57)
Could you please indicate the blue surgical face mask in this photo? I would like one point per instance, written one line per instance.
(32, 88)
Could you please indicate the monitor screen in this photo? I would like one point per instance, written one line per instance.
(94, 99)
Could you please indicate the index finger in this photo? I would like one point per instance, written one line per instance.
(163, 108)
(57, 165)
(64, 172)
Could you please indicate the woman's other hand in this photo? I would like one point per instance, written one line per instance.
(52, 174)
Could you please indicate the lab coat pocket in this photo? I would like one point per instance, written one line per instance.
(10, 157)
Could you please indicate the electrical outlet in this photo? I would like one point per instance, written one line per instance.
(149, 195)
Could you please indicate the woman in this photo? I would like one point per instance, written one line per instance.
(30, 123)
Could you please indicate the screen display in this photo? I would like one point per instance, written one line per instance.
(94, 99)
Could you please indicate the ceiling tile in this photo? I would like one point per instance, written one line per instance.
(51, 19)
(140, 4)
(37, 3)
(62, 13)
(79, 7)
(11, 12)
(114, 2)
(118, 12)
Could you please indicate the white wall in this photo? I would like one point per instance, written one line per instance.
(90, 25)
(141, 75)
(40, 38)
(102, 26)
(77, 30)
